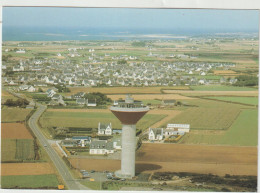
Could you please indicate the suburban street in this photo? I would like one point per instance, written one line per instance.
(71, 183)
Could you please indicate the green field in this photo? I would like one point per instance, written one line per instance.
(221, 88)
(49, 181)
(91, 120)
(244, 100)
(207, 118)
(244, 132)
(14, 114)
(17, 149)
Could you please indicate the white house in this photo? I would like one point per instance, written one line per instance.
(155, 133)
(91, 103)
(50, 92)
(101, 147)
(31, 89)
(104, 129)
(23, 87)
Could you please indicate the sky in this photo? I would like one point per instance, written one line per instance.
(196, 19)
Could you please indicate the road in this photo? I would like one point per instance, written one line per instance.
(62, 168)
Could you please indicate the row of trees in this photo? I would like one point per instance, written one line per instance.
(245, 80)
(18, 103)
(101, 99)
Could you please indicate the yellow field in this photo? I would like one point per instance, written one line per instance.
(125, 90)
(151, 97)
(10, 169)
(224, 72)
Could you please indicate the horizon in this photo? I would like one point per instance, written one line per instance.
(44, 23)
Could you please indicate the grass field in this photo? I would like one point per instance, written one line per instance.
(221, 88)
(243, 132)
(126, 90)
(14, 114)
(158, 97)
(92, 185)
(91, 120)
(17, 149)
(207, 118)
(30, 181)
(244, 100)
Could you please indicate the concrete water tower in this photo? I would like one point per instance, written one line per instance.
(129, 112)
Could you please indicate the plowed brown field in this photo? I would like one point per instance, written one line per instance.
(221, 93)
(219, 160)
(14, 131)
(9, 169)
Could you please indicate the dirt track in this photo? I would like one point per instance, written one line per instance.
(218, 160)
(14, 131)
(9, 169)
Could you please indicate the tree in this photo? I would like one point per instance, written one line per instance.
(40, 90)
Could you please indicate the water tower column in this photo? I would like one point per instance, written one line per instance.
(128, 150)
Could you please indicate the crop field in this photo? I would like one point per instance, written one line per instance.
(221, 88)
(48, 181)
(14, 114)
(244, 100)
(158, 97)
(17, 149)
(91, 120)
(14, 169)
(243, 132)
(126, 90)
(224, 72)
(207, 118)
(212, 93)
(219, 160)
(14, 131)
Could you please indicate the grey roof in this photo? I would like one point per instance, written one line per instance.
(101, 144)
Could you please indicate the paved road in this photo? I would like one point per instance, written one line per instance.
(62, 168)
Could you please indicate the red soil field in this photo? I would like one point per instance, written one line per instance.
(9, 169)
(14, 131)
(219, 160)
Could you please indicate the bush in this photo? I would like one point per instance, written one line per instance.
(19, 102)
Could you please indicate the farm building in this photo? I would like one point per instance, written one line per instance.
(69, 143)
(155, 133)
(82, 140)
(91, 103)
(178, 127)
(168, 102)
(81, 101)
(101, 147)
(104, 128)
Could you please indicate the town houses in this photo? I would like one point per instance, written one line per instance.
(53, 71)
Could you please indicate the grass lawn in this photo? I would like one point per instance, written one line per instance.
(91, 120)
(244, 100)
(153, 102)
(243, 132)
(14, 114)
(92, 185)
(221, 88)
(30, 181)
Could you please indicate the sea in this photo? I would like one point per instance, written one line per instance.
(56, 33)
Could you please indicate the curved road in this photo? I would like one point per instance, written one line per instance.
(62, 168)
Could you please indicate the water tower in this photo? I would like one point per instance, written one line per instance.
(129, 112)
